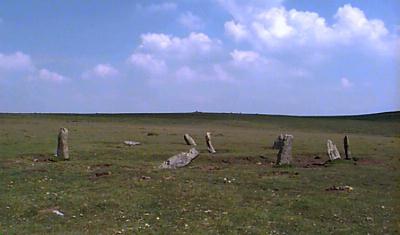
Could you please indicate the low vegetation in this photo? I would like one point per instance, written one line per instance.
(110, 188)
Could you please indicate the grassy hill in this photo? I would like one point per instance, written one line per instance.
(110, 188)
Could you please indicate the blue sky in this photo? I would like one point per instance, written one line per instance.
(256, 56)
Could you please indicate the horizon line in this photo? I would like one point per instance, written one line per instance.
(196, 112)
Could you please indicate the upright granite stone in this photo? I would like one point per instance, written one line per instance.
(346, 144)
(209, 144)
(189, 140)
(62, 146)
(285, 152)
(333, 152)
(180, 160)
(278, 142)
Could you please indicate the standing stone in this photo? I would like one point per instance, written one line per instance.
(180, 160)
(62, 147)
(209, 144)
(333, 152)
(189, 140)
(278, 142)
(285, 152)
(346, 143)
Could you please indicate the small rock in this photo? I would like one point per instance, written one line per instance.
(57, 212)
(370, 219)
(152, 134)
(145, 177)
(340, 188)
(131, 143)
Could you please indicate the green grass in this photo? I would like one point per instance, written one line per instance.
(261, 198)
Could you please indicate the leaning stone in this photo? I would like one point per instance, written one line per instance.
(278, 142)
(131, 143)
(180, 160)
(209, 144)
(346, 143)
(189, 140)
(285, 152)
(62, 146)
(333, 152)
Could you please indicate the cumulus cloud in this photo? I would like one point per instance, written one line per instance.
(279, 28)
(245, 56)
(47, 75)
(345, 83)
(191, 21)
(102, 71)
(352, 22)
(148, 63)
(161, 53)
(195, 43)
(236, 30)
(20, 65)
(17, 61)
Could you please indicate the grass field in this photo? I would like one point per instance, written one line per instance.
(110, 188)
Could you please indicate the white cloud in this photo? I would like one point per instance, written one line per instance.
(195, 43)
(352, 22)
(191, 21)
(148, 62)
(236, 30)
(173, 56)
(45, 74)
(16, 62)
(102, 71)
(105, 70)
(278, 28)
(19, 64)
(245, 56)
(345, 83)
(166, 6)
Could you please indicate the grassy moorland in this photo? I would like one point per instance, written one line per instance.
(110, 188)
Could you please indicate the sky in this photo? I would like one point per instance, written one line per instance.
(292, 57)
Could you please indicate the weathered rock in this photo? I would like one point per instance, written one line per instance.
(131, 143)
(180, 160)
(62, 146)
(209, 144)
(346, 143)
(278, 142)
(285, 152)
(340, 188)
(189, 140)
(333, 152)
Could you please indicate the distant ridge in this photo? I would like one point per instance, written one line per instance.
(387, 116)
